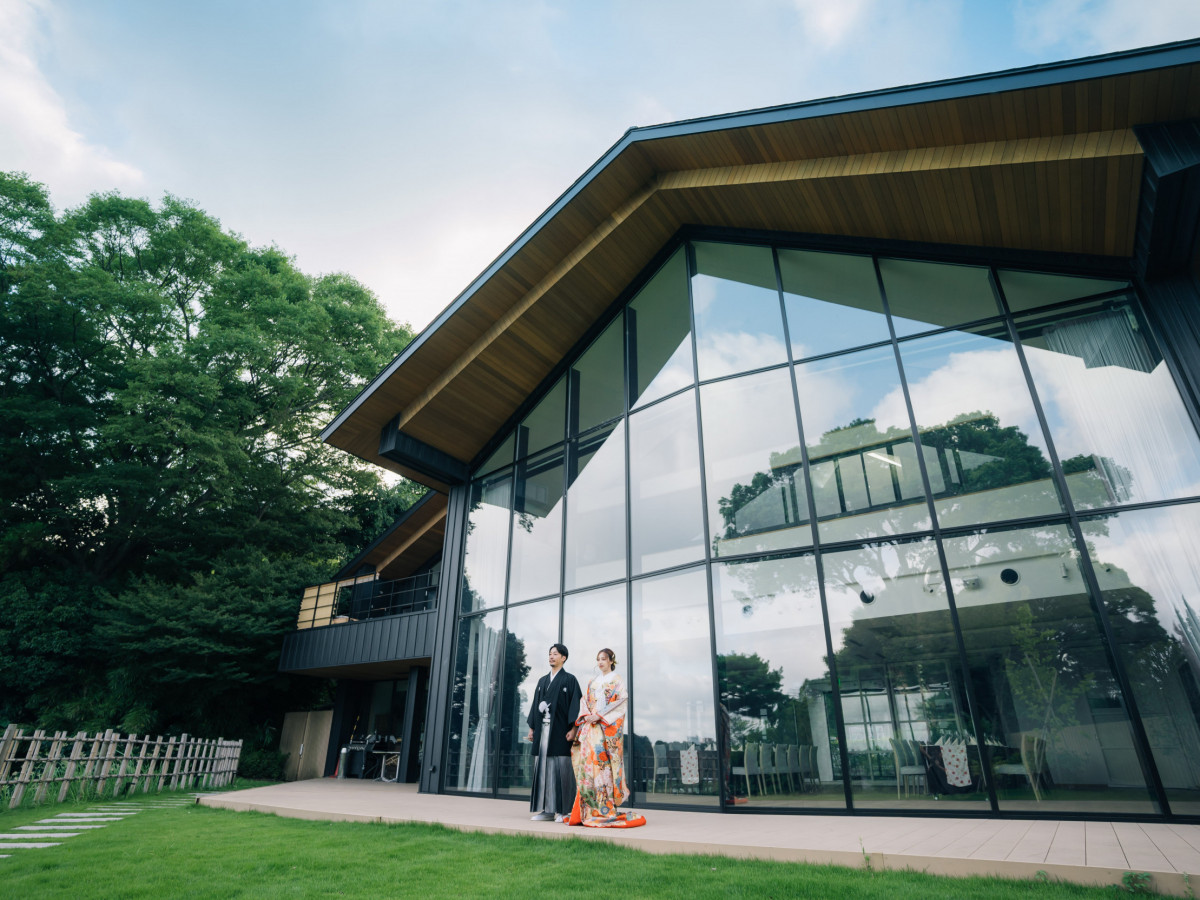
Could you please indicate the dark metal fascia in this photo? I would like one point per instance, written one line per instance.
(407, 450)
(1106, 65)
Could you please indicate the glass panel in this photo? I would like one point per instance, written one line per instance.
(985, 451)
(537, 528)
(909, 737)
(667, 515)
(1029, 290)
(592, 621)
(1115, 415)
(660, 330)
(677, 759)
(596, 509)
(502, 457)
(832, 302)
(469, 756)
(599, 378)
(859, 443)
(486, 555)
(924, 295)
(531, 629)
(756, 498)
(1054, 716)
(738, 323)
(777, 745)
(1148, 566)
(547, 424)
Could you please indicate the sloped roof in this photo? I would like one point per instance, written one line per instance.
(1036, 159)
(408, 542)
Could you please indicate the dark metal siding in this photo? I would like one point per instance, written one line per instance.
(391, 638)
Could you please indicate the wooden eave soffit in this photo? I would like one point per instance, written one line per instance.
(989, 154)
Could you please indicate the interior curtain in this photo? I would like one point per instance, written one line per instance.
(488, 649)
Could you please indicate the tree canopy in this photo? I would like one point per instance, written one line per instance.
(164, 496)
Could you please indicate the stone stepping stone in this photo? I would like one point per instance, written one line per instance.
(49, 834)
(51, 825)
(81, 818)
(4, 845)
(93, 815)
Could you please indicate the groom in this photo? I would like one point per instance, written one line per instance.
(551, 731)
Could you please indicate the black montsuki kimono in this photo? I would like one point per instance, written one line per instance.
(553, 780)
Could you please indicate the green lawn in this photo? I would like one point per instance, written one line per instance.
(199, 852)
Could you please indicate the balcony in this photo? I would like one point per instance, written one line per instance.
(366, 597)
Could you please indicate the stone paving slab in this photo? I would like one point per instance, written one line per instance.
(29, 846)
(54, 834)
(952, 846)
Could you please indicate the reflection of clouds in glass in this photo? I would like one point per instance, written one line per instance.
(666, 515)
(675, 375)
(672, 658)
(737, 351)
(486, 554)
(1134, 418)
(977, 380)
(745, 421)
(1158, 550)
(772, 608)
(704, 295)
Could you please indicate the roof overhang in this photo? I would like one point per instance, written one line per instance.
(1042, 159)
(408, 543)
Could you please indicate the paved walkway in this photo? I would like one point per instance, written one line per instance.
(1082, 852)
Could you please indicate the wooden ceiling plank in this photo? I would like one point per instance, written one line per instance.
(412, 539)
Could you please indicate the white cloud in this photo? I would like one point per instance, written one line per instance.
(831, 23)
(1099, 26)
(980, 380)
(37, 136)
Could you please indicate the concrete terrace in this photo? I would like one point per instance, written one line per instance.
(1097, 853)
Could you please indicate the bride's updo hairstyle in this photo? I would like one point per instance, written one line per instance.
(612, 658)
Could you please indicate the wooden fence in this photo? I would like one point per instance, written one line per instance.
(107, 764)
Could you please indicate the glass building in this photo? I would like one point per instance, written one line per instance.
(871, 523)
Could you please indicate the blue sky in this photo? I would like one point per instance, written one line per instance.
(408, 143)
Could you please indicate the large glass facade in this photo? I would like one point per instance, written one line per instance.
(864, 532)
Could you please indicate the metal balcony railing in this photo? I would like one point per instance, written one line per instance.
(366, 597)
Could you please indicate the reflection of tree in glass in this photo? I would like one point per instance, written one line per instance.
(748, 683)
(1154, 659)
(1002, 455)
(1045, 676)
(972, 453)
(1109, 475)
(516, 669)
(758, 709)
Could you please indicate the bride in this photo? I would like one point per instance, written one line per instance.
(598, 758)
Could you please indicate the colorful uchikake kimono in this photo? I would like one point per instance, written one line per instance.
(598, 759)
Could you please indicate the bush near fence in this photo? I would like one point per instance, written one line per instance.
(108, 764)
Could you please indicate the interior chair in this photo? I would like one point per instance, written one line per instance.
(661, 766)
(795, 769)
(769, 768)
(908, 764)
(808, 767)
(735, 771)
(754, 767)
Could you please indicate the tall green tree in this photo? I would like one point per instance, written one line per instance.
(163, 493)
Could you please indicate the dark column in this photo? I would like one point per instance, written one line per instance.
(442, 666)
